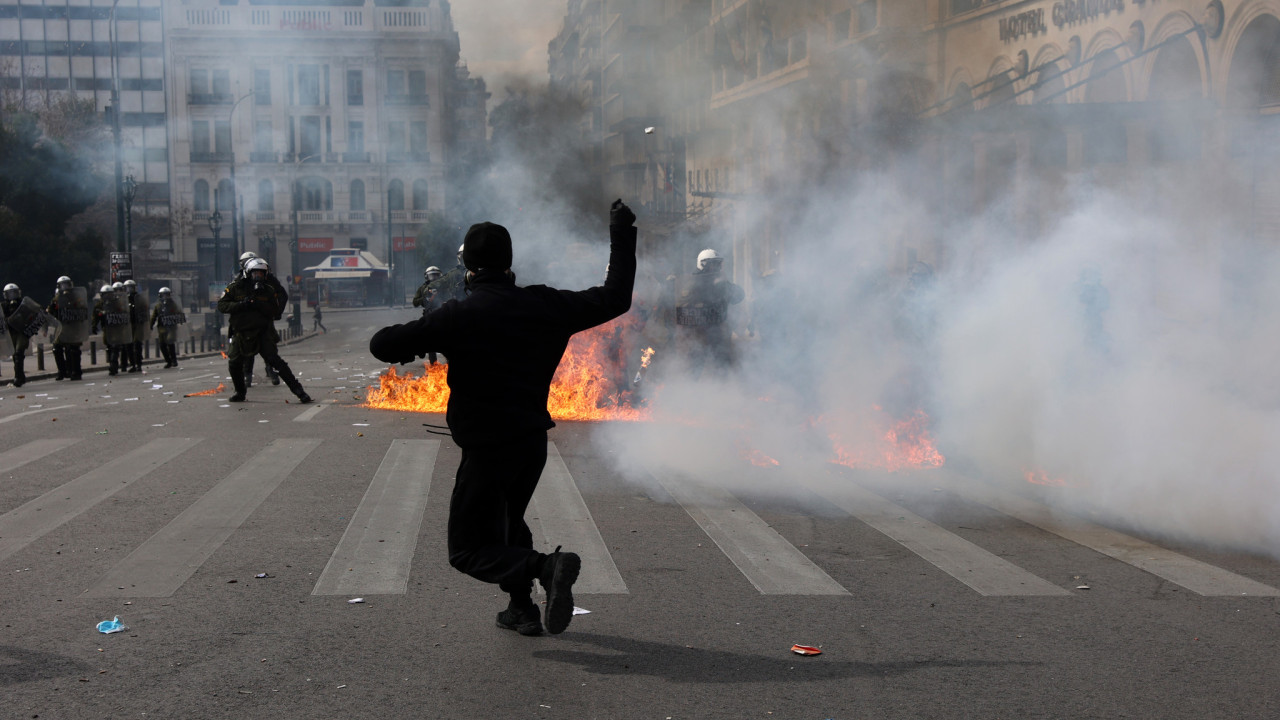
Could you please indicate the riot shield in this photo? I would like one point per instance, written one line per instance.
(73, 316)
(140, 318)
(696, 302)
(170, 315)
(6, 345)
(28, 318)
(117, 330)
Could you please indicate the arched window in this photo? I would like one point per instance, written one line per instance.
(317, 193)
(395, 195)
(266, 196)
(357, 195)
(419, 194)
(225, 194)
(201, 200)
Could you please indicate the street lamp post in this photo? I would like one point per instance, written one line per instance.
(115, 128)
(235, 233)
(215, 224)
(130, 192)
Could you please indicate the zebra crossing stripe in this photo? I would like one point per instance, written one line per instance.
(1194, 575)
(159, 566)
(558, 513)
(773, 565)
(376, 551)
(950, 553)
(28, 413)
(306, 415)
(32, 451)
(26, 524)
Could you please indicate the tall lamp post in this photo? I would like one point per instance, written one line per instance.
(115, 128)
(235, 233)
(215, 224)
(130, 192)
(295, 258)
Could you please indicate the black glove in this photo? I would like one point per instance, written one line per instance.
(620, 215)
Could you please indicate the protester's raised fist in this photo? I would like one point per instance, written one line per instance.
(621, 215)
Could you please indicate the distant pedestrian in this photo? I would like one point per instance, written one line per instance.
(504, 343)
(317, 317)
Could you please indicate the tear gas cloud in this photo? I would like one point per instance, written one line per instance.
(1123, 349)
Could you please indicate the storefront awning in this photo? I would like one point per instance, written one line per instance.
(342, 274)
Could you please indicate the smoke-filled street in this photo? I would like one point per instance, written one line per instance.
(231, 540)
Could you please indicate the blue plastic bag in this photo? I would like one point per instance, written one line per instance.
(114, 625)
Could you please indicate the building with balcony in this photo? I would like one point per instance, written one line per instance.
(332, 123)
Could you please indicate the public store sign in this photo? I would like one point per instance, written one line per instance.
(1062, 14)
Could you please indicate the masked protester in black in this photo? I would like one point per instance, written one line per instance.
(504, 343)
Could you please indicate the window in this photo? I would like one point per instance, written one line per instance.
(355, 87)
(310, 145)
(262, 136)
(418, 137)
(395, 83)
(419, 194)
(317, 193)
(199, 136)
(867, 19)
(417, 83)
(199, 82)
(308, 84)
(842, 24)
(395, 196)
(357, 195)
(221, 136)
(395, 138)
(355, 138)
(201, 198)
(225, 195)
(266, 196)
(262, 86)
(221, 82)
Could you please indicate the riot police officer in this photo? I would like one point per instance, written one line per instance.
(453, 284)
(272, 280)
(139, 332)
(425, 298)
(111, 315)
(22, 319)
(253, 305)
(702, 303)
(70, 305)
(169, 316)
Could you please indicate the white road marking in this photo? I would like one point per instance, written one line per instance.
(26, 524)
(306, 415)
(159, 566)
(376, 551)
(558, 514)
(763, 556)
(32, 451)
(199, 377)
(1194, 575)
(950, 553)
(28, 413)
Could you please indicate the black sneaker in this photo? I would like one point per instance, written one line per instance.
(304, 398)
(238, 397)
(559, 573)
(524, 621)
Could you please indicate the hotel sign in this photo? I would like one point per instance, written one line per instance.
(1063, 13)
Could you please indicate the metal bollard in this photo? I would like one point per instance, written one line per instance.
(202, 337)
(39, 356)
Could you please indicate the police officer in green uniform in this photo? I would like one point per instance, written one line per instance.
(138, 326)
(426, 298)
(21, 340)
(168, 315)
(453, 284)
(70, 306)
(111, 315)
(252, 305)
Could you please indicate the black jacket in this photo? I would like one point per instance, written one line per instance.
(504, 343)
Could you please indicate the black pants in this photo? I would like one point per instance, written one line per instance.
(488, 537)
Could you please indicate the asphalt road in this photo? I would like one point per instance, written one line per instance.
(121, 497)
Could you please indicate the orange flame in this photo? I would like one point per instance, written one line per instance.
(1039, 477)
(224, 356)
(758, 458)
(585, 387)
(202, 393)
(885, 443)
(646, 356)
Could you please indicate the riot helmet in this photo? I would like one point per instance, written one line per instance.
(12, 292)
(431, 273)
(105, 289)
(64, 284)
(246, 257)
(131, 286)
(165, 292)
(709, 260)
(117, 286)
(256, 265)
(460, 247)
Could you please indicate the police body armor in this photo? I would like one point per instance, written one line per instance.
(117, 325)
(27, 318)
(140, 318)
(170, 315)
(700, 302)
(450, 286)
(74, 316)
